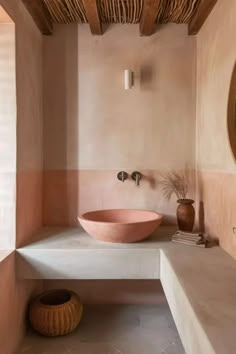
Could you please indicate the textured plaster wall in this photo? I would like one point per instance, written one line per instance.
(14, 294)
(94, 128)
(29, 121)
(29, 126)
(216, 57)
(14, 299)
(7, 135)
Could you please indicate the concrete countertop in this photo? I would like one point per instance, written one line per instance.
(76, 238)
(200, 284)
(72, 254)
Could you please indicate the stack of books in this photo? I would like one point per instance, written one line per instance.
(190, 238)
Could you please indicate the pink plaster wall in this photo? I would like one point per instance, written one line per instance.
(21, 127)
(14, 299)
(29, 144)
(29, 205)
(29, 47)
(216, 57)
(93, 127)
(217, 192)
(15, 294)
(68, 193)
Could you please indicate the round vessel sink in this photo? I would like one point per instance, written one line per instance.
(120, 225)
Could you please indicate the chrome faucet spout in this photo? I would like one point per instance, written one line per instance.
(136, 176)
(137, 179)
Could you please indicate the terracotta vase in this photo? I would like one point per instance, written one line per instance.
(185, 214)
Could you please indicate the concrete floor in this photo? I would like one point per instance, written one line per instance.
(114, 329)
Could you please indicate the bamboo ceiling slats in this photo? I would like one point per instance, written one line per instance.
(178, 11)
(148, 13)
(121, 11)
(66, 11)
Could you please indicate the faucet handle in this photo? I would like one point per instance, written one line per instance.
(122, 176)
(136, 176)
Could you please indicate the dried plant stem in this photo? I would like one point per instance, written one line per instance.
(175, 183)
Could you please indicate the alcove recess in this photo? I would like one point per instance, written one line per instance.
(232, 113)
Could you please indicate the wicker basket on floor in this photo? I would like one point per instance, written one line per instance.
(55, 312)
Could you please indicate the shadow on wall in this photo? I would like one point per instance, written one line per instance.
(201, 219)
(202, 227)
(61, 187)
(148, 77)
(201, 216)
(113, 291)
(201, 211)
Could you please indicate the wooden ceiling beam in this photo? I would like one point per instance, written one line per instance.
(40, 15)
(203, 11)
(148, 18)
(92, 13)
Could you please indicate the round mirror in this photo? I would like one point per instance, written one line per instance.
(232, 113)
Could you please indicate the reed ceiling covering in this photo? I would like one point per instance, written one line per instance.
(148, 13)
(121, 11)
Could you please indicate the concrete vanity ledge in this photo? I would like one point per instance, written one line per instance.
(72, 254)
(201, 291)
(200, 284)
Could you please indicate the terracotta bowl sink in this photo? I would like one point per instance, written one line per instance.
(120, 225)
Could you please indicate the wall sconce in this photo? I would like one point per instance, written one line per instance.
(129, 79)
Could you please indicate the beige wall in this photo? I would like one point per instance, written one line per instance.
(7, 135)
(216, 56)
(94, 128)
(106, 127)
(143, 127)
(14, 294)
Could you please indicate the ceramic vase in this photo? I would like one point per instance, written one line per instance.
(185, 214)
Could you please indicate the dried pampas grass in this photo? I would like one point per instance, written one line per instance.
(175, 183)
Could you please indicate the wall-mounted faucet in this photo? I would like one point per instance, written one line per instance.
(122, 176)
(136, 176)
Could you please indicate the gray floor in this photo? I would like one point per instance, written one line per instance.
(114, 330)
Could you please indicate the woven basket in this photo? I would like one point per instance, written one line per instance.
(55, 312)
